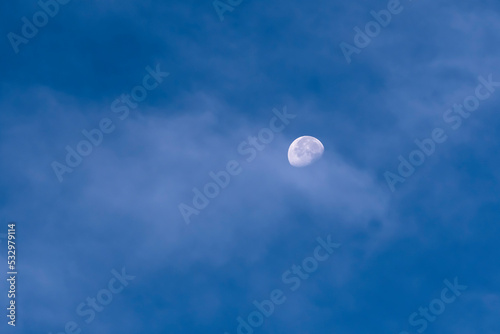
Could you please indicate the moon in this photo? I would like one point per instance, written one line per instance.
(304, 151)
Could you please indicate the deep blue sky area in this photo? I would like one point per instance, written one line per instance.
(117, 116)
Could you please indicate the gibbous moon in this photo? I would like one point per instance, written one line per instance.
(304, 151)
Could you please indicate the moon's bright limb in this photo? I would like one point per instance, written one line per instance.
(304, 151)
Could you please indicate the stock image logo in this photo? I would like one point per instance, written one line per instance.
(30, 28)
(437, 306)
(94, 305)
(364, 37)
(249, 149)
(453, 117)
(292, 278)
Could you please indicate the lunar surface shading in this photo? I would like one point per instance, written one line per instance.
(304, 151)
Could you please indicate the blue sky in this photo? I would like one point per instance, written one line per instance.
(119, 207)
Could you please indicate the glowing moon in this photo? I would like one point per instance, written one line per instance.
(304, 151)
